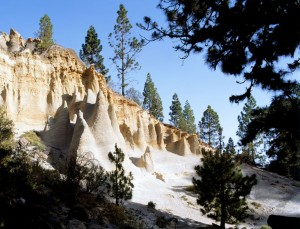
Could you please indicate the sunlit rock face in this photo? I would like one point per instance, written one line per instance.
(79, 113)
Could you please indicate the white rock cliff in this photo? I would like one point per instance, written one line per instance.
(81, 113)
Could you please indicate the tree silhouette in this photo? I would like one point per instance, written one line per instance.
(255, 40)
(152, 101)
(210, 128)
(242, 37)
(120, 185)
(176, 114)
(125, 47)
(189, 119)
(222, 188)
(45, 33)
(90, 52)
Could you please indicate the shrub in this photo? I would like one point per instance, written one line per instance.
(161, 221)
(115, 214)
(256, 205)
(151, 205)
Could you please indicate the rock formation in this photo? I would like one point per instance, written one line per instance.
(146, 161)
(56, 88)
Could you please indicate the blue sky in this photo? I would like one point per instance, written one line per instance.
(191, 79)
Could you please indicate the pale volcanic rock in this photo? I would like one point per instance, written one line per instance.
(83, 143)
(4, 38)
(115, 125)
(59, 134)
(194, 144)
(159, 129)
(145, 161)
(33, 86)
(16, 42)
(100, 124)
(139, 135)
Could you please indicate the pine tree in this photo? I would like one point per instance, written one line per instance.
(45, 33)
(120, 185)
(222, 188)
(176, 114)
(152, 101)
(189, 119)
(125, 47)
(230, 147)
(210, 128)
(249, 151)
(90, 52)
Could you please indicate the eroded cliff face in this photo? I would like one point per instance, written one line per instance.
(81, 113)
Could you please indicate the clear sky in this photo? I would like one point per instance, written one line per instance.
(191, 79)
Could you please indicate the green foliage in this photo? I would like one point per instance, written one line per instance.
(265, 227)
(90, 52)
(134, 95)
(85, 173)
(189, 119)
(230, 147)
(222, 188)
(257, 52)
(45, 33)
(33, 139)
(152, 101)
(6, 130)
(210, 128)
(250, 150)
(125, 47)
(218, 28)
(281, 126)
(120, 185)
(26, 191)
(176, 114)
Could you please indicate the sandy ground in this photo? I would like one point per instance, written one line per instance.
(272, 195)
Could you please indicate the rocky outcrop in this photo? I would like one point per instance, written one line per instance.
(81, 112)
(146, 161)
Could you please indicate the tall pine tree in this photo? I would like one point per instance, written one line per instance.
(176, 114)
(210, 128)
(189, 119)
(250, 150)
(90, 52)
(120, 185)
(45, 33)
(222, 188)
(230, 147)
(125, 47)
(152, 101)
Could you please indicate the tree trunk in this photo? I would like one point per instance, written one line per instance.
(123, 66)
(223, 209)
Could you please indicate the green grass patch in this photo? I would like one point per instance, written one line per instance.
(34, 140)
(265, 227)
